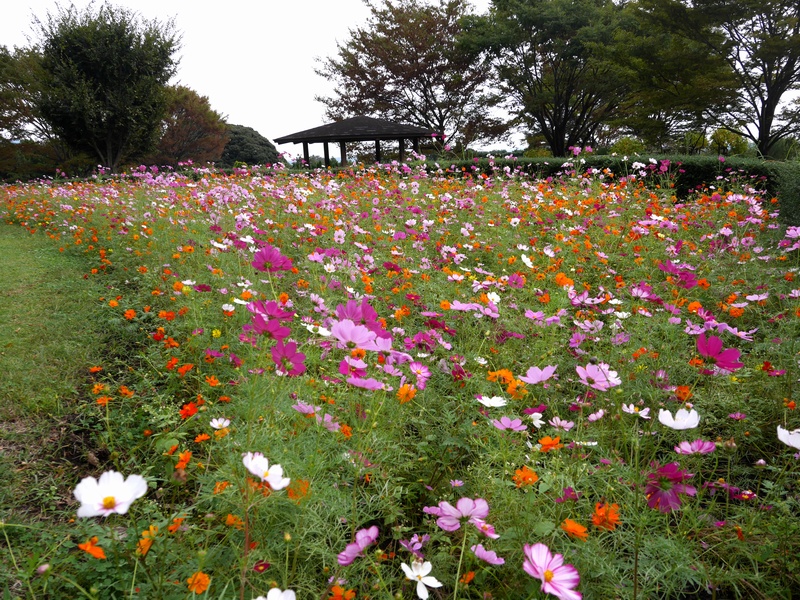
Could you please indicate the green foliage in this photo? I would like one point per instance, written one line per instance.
(105, 73)
(246, 145)
(402, 65)
(192, 130)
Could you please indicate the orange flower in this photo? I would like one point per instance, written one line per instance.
(575, 530)
(297, 489)
(98, 388)
(92, 548)
(188, 410)
(339, 593)
(444, 305)
(212, 380)
(467, 577)
(198, 582)
(504, 376)
(183, 459)
(683, 393)
(95, 369)
(693, 307)
(516, 389)
(606, 516)
(220, 486)
(202, 438)
(113, 303)
(346, 431)
(148, 536)
(234, 521)
(547, 443)
(563, 281)
(175, 525)
(184, 369)
(171, 363)
(125, 391)
(406, 393)
(525, 476)
(130, 314)
(736, 312)
(103, 400)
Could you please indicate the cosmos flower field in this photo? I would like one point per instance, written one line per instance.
(400, 381)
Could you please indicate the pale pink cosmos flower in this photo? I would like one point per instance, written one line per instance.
(364, 538)
(488, 556)
(557, 578)
(536, 375)
(600, 376)
(695, 447)
(632, 409)
(508, 423)
(450, 516)
(560, 423)
(351, 336)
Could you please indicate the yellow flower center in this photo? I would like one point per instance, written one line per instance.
(109, 502)
(548, 576)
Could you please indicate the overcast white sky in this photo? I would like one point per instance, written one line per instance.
(253, 59)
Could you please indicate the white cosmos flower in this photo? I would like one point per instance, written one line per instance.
(493, 402)
(528, 262)
(419, 572)
(277, 594)
(790, 438)
(684, 419)
(258, 465)
(220, 423)
(112, 493)
(228, 307)
(537, 419)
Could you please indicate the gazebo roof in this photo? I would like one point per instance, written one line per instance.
(356, 129)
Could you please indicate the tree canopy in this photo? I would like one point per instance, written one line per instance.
(403, 65)
(104, 80)
(191, 130)
(246, 145)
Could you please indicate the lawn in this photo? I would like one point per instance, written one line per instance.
(396, 381)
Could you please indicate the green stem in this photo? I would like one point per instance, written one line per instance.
(458, 570)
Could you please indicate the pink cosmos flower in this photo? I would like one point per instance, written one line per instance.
(351, 336)
(664, 485)
(450, 516)
(488, 556)
(364, 538)
(507, 423)
(696, 447)
(711, 348)
(599, 376)
(287, 359)
(536, 375)
(558, 579)
(271, 260)
(560, 423)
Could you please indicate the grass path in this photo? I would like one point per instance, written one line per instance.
(48, 338)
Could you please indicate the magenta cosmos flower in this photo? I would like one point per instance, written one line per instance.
(364, 538)
(271, 260)
(599, 376)
(466, 508)
(489, 556)
(558, 579)
(711, 348)
(288, 361)
(664, 485)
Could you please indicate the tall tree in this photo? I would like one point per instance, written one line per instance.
(247, 146)
(191, 130)
(760, 42)
(105, 76)
(676, 85)
(551, 70)
(403, 65)
(20, 90)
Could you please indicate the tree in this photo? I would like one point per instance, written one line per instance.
(550, 65)
(760, 42)
(20, 91)
(105, 76)
(192, 130)
(403, 65)
(676, 85)
(248, 146)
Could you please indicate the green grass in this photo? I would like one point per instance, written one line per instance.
(49, 336)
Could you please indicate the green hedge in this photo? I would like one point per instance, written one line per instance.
(689, 173)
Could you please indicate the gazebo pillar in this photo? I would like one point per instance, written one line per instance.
(377, 151)
(327, 155)
(305, 153)
(415, 144)
(343, 149)
(402, 149)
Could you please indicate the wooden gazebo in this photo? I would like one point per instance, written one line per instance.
(358, 129)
